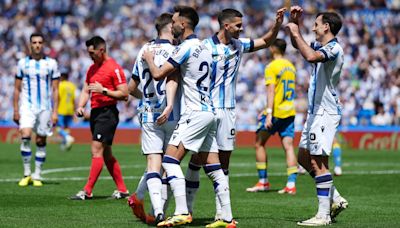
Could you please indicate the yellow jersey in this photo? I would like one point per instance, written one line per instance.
(282, 74)
(66, 104)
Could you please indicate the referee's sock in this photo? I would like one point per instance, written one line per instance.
(115, 171)
(95, 170)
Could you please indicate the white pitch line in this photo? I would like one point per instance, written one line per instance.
(346, 164)
(361, 172)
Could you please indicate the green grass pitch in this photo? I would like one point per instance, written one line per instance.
(371, 184)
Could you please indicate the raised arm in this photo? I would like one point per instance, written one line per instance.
(295, 14)
(305, 50)
(268, 38)
(157, 73)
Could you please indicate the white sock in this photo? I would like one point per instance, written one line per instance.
(324, 184)
(26, 154)
(221, 189)
(192, 184)
(335, 195)
(154, 186)
(218, 209)
(40, 158)
(142, 187)
(177, 182)
(165, 194)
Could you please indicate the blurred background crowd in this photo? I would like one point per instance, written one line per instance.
(369, 86)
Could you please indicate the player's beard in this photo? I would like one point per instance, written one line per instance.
(177, 33)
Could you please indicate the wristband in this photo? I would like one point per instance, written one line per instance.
(268, 110)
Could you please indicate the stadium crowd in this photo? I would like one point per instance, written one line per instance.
(369, 86)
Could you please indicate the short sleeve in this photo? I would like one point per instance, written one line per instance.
(55, 73)
(118, 76)
(179, 55)
(247, 44)
(330, 51)
(135, 71)
(270, 77)
(20, 70)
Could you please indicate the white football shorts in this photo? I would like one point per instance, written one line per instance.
(226, 128)
(197, 131)
(39, 121)
(318, 133)
(155, 138)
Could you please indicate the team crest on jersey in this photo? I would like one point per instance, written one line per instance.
(176, 51)
(217, 58)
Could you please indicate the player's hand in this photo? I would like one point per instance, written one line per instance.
(293, 28)
(148, 55)
(280, 13)
(268, 121)
(95, 87)
(54, 118)
(164, 115)
(16, 117)
(295, 14)
(80, 112)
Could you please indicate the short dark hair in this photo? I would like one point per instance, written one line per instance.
(96, 41)
(280, 44)
(227, 14)
(333, 19)
(188, 13)
(163, 20)
(64, 75)
(36, 34)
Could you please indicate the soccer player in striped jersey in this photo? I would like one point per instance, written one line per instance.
(278, 116)
(159, 113)
(66, 110)
(35, 105)
(227, 50)
(324, 109)
(196, 128)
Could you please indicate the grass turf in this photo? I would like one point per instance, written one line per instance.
(370, 183)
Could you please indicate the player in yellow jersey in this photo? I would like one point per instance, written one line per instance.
(278, 116)
(66, 109)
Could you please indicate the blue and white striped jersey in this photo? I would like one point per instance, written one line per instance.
(194, 61)
(37, 76)
(154, 98)
(324, 79)
(224, 68)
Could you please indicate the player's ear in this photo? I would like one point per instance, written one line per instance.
(226, 26)
(327, 27)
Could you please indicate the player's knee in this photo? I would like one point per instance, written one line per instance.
(195, 159)
(41, 143)
(26, 143)
(259, 144)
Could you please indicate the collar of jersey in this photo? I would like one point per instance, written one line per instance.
(333, 40)
(30, 57)
(216, 40)
(161, 41)
(192, 36)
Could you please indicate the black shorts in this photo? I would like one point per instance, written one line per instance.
(103, 123)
